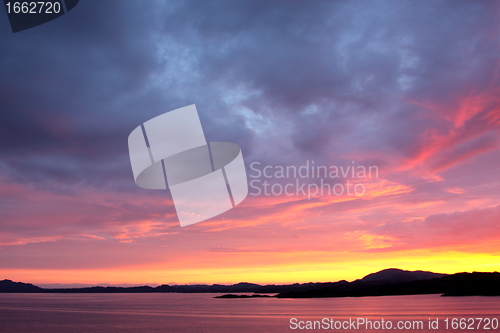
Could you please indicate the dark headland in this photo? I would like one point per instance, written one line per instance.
(384, 283)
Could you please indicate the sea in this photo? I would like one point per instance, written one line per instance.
(171, 312)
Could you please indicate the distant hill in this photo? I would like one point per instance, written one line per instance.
(394, 275)
(460, 284)
(471, 284)
(387, 282)
(8, 286)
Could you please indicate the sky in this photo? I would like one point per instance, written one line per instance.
(410, 88)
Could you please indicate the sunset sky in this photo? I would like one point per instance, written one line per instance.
(410, 87)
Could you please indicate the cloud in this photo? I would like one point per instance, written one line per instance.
(323, 87)
(410, 87)
(457, 230)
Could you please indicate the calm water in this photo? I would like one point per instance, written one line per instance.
(147, 313)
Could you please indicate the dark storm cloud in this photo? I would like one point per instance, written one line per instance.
(316, 79)
(340, 76)
(65, 87)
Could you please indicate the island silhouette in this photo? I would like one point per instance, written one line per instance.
(387, 282)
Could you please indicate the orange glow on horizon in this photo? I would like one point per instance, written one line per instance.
(311, 267)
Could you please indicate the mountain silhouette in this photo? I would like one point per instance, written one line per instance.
(8, 286)
(460, 284)
(390, 281)
(398, 275)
